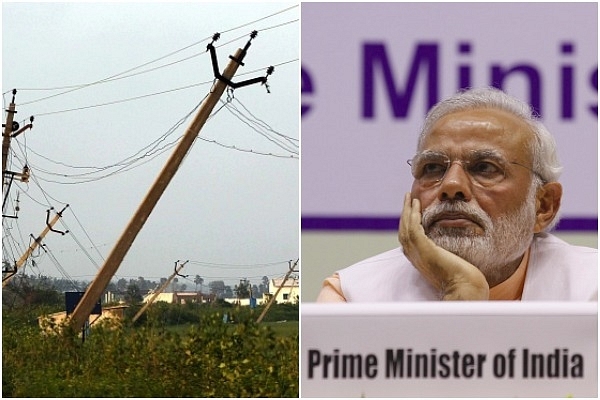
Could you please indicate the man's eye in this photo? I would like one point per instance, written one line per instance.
(433, 168)
(485, 168)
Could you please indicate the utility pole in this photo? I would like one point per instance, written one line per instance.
(37, 241)
(157, 292)
(6, 136)
(113, 261)
(11, 130)
(291, 269)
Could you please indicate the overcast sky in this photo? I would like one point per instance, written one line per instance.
(111, 87)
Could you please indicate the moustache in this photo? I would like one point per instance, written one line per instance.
(455, 209)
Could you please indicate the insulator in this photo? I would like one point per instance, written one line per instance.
(25, 175)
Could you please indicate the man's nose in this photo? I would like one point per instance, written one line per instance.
(456, 184)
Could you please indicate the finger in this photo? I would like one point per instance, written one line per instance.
(416, 213)
(407, 210)
(416, 229)
(405, 219)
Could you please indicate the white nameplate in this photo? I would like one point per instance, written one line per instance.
(449, 349)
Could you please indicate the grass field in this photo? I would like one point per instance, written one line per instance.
(285, 328)
(282, 329)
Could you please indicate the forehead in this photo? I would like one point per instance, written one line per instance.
(479, 129)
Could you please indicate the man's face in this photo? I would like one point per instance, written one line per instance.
(458, 135)
(489, 220)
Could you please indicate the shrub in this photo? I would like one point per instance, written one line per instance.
(212, 359)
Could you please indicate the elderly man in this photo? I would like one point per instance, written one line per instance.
(475, 225)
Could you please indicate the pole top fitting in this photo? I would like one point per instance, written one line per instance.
(252, 36)
(215, 37)
(264, 80)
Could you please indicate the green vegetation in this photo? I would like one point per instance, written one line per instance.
(171, 351)
(178, 314)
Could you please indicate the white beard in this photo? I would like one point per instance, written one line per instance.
(503, 242)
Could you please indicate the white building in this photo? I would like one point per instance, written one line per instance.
(178, 297)
(287, 292)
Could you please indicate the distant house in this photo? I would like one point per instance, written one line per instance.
(109, 314)
(242, 302)
(179, 297)
(287, 292)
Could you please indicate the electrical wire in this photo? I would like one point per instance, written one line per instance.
(152, 94)
(217, 265)
(293, 141)
(266, 131)
(10, 247)
(232, 147)
(141, 157)
(86, 234)
(123, 74)
(110, 103)
(58, 266)
(154, 149)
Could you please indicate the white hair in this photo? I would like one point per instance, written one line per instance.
(542, 146)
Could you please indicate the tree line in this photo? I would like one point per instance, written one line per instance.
(25, 288)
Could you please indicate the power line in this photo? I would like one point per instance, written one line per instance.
(123, 74)
(232, 147)
(86, 234)
(221, 265)
(156, 147)
(151, 150)
(152, 94)
(60, 268)
(266, 131)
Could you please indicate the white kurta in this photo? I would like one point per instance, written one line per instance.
(557, 271)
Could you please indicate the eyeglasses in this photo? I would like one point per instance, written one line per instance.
(485, 168)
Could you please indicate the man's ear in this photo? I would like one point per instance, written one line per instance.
(547, 205)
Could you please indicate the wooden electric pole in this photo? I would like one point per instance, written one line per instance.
(157, 292)
(111, 264)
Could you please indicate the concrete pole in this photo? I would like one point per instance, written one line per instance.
(6, 135)
(156, 293)
(113, 261)
(270, 303)
(33, 246)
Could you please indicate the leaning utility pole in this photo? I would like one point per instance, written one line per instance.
(157, 292)
(111, 264)
(262, 315)
(37, 241)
